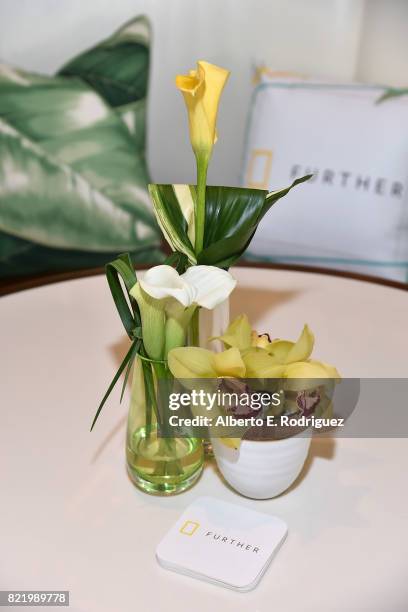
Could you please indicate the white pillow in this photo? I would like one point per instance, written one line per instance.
(353, 214)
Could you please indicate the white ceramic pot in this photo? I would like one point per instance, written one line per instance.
(262, 469)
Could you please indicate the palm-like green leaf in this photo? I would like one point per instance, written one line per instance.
(170, 217)
(122, 268)
(232, 217)
(129, 358)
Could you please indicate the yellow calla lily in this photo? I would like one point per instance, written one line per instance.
(201, 90)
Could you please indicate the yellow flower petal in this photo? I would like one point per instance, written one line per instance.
(229, 363)
(214, 78)
(259, 364)
(330, 370)
(280, 349)
(231, 442)
(191, 362)
(189, 84)
(202, 90)
(303, 348)
(309, 374)
(238, 333)
(260, 340)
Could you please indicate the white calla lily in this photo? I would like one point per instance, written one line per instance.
(213, 285)
(205, 286)
(164, 281)
(168, 300)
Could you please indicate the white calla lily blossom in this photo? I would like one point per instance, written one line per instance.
(163, 281)
(205, 286)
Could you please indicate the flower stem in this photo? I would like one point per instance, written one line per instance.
(195, 328)
(202, 166)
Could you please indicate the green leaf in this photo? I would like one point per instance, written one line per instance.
(150, 393)
(122, 268)
(171, 219)
(232, 216)
(118, 67)
(123, 265)
(391, 93)
(177, 260)
(128, 368)
(274, 196)
(129, 355)
(229, 210)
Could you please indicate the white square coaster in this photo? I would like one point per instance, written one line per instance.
(222, 543)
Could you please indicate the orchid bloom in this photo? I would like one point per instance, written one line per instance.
(198, 363)
(167, 301)
(276, 358)
(249, 355)
(195, 362)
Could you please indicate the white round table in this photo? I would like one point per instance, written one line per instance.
(71, 519)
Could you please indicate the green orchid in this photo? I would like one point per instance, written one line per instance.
(195, 362)
(291, 359)
(248, 354)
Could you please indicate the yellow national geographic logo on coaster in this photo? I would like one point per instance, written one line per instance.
(189, 528)
(259, 169)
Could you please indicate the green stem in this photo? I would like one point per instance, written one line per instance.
(202, 165)
(149, 396)
(162, 394)
(195, 328)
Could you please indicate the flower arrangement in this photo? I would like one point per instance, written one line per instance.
(208, 228)
(305, 385)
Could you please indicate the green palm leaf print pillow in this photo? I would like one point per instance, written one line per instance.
(73, 174)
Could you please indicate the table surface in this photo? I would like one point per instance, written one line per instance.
(71, 519)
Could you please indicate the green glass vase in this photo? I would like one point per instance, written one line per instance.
(157, 465)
